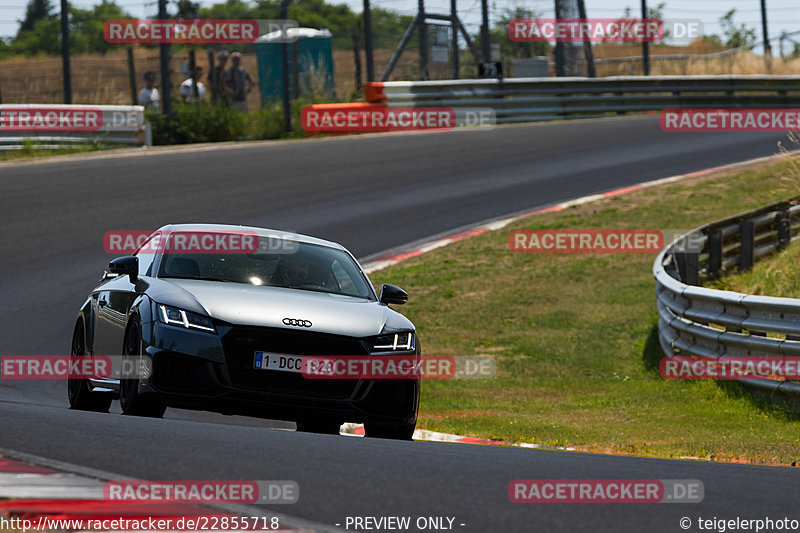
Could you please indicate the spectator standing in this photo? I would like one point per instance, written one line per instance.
(216, 78)
(187, 91)
(238, 82)
(149, 96)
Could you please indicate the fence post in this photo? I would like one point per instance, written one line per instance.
(296, 68)
(715, 252)
(357, 58)
(193, 75)
(424, 71)
(368, 41)
(132, 76)
(287, 99)
(67, 76)
(688, 267)
(454, 38)
(645, 45)
(166, 86)
(784, 228)
(747, 229)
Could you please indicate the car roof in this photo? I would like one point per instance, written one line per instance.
(261, 232)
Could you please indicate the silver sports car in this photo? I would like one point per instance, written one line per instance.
(225, 316)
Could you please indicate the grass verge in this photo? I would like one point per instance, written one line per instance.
(575, 338)
(29, 151)
(776, 275)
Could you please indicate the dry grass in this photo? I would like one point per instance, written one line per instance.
(739, 63)
(101, 79)
(96, 79)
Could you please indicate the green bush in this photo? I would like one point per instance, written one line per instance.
(193, 123)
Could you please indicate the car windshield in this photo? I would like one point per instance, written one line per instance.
(277, 263)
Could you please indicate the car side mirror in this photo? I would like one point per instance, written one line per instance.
(392, 294)
(127, 265)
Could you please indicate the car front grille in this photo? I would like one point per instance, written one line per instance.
(241, 344)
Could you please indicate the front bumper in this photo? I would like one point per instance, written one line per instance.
(198, 370)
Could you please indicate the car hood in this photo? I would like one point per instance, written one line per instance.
(252, 305)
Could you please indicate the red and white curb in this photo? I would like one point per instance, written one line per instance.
(23, 480)
(357, 430)
(37, 490)
(400, 254)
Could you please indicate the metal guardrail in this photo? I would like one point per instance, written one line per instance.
(709, 323)
(537, 99)
(51, 126)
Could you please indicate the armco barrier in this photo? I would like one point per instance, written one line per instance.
(65, 126)
(710, 323)
(537, 99)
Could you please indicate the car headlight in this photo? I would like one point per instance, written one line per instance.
(395, 342)
(178, 317)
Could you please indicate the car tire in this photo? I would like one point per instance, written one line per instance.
(382, 430)
(134, 403)
(79, 393)
(315, 425)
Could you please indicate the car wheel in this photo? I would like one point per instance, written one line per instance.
(399, 431)
(315, 425)
(80, 395)
(134, 403)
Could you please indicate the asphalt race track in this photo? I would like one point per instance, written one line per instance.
(370, 193)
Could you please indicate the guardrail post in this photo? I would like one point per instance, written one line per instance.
(715, 253)
(784, 229)
(747, 229)
(688, 267)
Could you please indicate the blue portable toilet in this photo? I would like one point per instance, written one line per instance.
(310, 64)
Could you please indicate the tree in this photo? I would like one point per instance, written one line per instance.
(188, 9)
(656, 12)
(86, 27)
(36, 10)
(86, 32)
(40, 40)
(510, 49)
(339, 19)
(736, 37)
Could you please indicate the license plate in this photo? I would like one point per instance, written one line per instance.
(278, 361)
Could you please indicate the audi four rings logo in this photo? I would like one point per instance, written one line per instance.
(297, 322)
